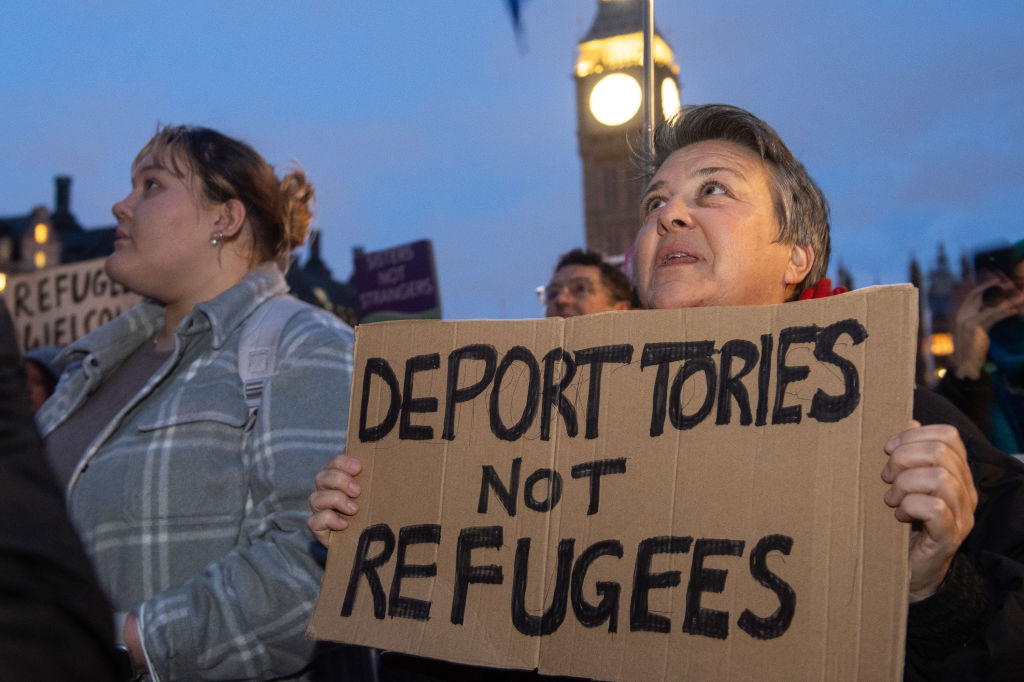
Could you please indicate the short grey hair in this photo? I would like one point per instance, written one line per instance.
(800, 205)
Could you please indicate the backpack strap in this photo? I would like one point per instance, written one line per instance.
(257, 348)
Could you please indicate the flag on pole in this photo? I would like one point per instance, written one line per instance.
(515, 9)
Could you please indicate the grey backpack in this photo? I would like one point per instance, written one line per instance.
(257, 349)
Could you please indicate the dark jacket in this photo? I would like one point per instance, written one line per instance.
(973, 627)
(55, 623)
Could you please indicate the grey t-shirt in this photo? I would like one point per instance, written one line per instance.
(67, 443)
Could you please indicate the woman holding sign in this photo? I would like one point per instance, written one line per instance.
(187, 487)
(731, 218)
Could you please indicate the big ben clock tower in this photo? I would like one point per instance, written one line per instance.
(609, 98)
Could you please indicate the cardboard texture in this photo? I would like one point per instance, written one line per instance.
(704, 520)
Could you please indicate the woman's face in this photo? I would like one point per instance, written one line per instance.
(709, 230)
(162, 244)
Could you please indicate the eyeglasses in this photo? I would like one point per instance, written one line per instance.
(577, 288)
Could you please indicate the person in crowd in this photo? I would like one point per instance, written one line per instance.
(42, 370)
(584, 283)
(986, 380)
(55, 623)
(731, 218)
(189, 499)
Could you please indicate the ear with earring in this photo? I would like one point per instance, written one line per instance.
(215, 239)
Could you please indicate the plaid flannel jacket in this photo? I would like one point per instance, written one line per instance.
(194, 521)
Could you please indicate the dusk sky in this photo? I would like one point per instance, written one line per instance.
(424, 119)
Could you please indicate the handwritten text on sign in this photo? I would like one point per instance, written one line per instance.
(570, 495)
(58, 305)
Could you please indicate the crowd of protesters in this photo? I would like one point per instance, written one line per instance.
(193, 441)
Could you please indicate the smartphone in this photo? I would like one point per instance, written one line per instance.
(1000, 261)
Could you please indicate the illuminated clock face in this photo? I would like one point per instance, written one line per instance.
(669, 97)
(615, 99)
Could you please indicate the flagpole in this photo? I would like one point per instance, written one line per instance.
(648, 84)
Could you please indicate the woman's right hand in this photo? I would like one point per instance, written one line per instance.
(332, 500)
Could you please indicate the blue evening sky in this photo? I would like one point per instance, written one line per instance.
(421, 119)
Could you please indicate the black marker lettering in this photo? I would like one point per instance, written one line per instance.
(595, 470)
(764, 375)
(774, 625)
(548, 622)
(640, 616)
(364, 566)
(832, 408)
(698, 359)
(407, 607)
(466, 572)
(596, 357)
(588, 615)
(732, 384)
(554, 393)
(554, 480)
(516, 431)
(407, 431)
(507, 496)
(455, 395)
(701, 621)
(786, 374)
(380, 368)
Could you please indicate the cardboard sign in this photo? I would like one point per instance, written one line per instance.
(58, 305)
(398, 283)
(683, 494)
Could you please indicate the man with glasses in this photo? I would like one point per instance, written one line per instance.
(584, 283)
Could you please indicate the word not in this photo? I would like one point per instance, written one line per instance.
(508, 495)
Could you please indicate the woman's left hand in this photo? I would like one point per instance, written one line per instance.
(333, 498)
(931, 487)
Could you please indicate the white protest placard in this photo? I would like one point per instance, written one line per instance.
(55, 306)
